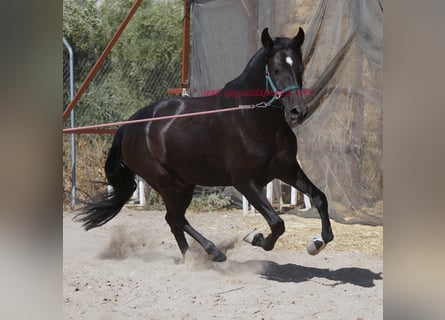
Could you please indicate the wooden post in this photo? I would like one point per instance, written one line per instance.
(185, 45)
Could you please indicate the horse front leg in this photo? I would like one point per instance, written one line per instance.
(298, 179)
(254, 194)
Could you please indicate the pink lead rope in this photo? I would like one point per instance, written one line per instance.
(192, 114)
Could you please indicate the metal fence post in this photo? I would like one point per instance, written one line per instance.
(73, 145)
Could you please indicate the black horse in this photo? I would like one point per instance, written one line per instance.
(246, 148)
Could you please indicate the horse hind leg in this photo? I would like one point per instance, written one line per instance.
(211, 249)
(178, 233)
(176, 202)
(177, 199)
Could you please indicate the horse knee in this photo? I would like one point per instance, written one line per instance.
(320, 200)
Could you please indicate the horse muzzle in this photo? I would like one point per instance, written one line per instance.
(297, 115)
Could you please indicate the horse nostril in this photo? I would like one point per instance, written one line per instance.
(294, 113)
(297, 115)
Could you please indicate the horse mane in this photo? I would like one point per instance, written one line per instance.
(257, 58)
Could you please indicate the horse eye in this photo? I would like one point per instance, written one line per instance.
(276, 72)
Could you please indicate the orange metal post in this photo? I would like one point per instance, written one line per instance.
(101, 59)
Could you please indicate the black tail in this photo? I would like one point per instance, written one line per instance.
(121, 179)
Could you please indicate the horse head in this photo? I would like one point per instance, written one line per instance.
(284, 73)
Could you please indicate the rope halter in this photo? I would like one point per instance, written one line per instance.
(277, 94)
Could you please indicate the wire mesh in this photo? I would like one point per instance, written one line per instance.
(144, 63)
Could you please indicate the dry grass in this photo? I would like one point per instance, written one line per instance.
(350, 238)
(91, 151)
(347, 238)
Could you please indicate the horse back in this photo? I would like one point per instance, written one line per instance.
(212, 149)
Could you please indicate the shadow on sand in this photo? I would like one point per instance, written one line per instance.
(295, 273)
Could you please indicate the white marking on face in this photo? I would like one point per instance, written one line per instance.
(289, 61)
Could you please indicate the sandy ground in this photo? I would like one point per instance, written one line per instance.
(131, 268)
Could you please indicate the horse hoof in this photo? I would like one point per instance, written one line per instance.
(219, 257)
(315, 245)
(252, 236)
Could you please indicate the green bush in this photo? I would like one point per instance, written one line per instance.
(210, 202)
(154, 202)
(203, 203)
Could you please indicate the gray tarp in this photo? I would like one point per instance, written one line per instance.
(340, 144)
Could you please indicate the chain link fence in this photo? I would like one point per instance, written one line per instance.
(119, 88)
(137, 72)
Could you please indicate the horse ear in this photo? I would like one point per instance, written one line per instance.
(266, 39)
(299, 38)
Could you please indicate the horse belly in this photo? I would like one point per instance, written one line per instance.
(197, 167)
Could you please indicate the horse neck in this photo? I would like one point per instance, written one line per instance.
(250, 85)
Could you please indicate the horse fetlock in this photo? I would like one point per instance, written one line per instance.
(278, 228)
(327, 236)
(268, 245)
